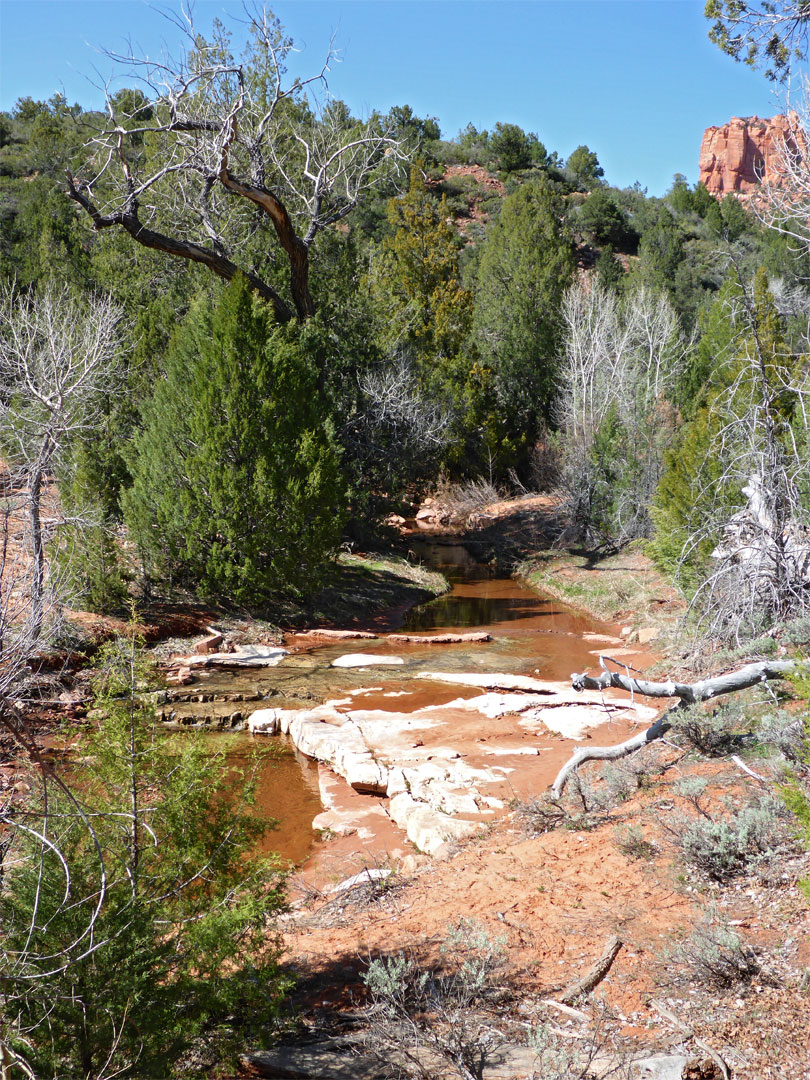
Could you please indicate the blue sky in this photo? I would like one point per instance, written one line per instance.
(636, 80)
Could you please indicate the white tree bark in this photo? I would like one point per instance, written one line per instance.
(687, 693)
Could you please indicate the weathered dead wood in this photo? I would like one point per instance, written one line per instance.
(594, 975)
(687, 693)
(688, 1031)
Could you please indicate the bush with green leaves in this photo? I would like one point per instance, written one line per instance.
(138, 921)
(721, 849)
(237, 487)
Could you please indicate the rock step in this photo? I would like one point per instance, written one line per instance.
(438, 639)
(219, 715)
(329, 1061)
(191, 696)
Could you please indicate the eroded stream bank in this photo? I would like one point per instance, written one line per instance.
(421, 744)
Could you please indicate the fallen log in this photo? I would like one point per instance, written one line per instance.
(687, 693)
(594, 975)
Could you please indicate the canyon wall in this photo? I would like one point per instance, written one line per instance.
(744, 153)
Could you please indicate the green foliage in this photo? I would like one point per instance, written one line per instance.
(515, 149)
(603, 221)
(427, 309)
(741, 356)
(584, 166)
(526, 265)
(236, 485)
(772, 35)
(609, 270)
(142, 923)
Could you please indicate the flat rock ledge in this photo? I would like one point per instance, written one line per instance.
(337, 1060)
(435, 794)
(239, 656)
(424, 796)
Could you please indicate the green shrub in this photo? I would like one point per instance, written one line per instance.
(137, 922)
(723, 849)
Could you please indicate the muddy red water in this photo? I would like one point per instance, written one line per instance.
(531, 636)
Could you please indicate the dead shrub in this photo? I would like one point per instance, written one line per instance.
(713, 955)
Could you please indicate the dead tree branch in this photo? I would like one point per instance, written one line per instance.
(228, 162)
(594, 975)
(687, 693)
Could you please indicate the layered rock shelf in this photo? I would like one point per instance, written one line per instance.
(436, 774)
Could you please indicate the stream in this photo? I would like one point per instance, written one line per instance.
(531, 636)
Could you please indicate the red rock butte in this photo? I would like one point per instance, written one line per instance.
(746, 152)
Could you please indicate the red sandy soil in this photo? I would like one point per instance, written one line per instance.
(558, 896)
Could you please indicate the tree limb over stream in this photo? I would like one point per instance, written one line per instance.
(687, 693)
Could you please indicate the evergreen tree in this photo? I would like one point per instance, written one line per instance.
(135, 914)
(584, 166)
(236, 483)
(526, 265)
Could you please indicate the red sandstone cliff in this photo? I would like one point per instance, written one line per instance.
(744, 153)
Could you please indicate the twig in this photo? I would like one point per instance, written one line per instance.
(690, 1034)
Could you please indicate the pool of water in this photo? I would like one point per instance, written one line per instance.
(530, 635)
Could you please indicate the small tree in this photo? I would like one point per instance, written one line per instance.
(59, 357)
(236, 479)
(135, 916)
(583, 164)
(526, 265)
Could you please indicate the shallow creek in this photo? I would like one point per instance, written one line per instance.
(473, 726)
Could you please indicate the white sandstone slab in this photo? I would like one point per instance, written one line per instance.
(352, 660)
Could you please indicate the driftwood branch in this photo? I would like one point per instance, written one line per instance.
(687, 693)
(594, 975)
(689, 1032)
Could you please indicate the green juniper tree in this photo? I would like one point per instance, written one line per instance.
(136, 918)
(236, 480)
(526, 266)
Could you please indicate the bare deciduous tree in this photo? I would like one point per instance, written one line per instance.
(213, 151)
(58, 356)
(617, 373)
(753, 505)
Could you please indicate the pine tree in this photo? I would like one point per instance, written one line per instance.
(142, 919)
(236, 477)
(526, 265)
